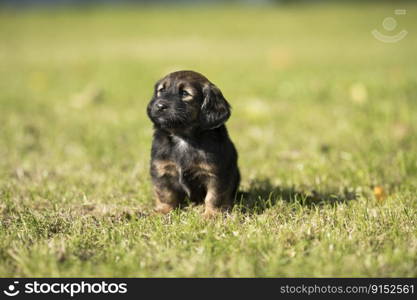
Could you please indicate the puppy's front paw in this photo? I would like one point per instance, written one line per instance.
(211, 213)
(163, 208)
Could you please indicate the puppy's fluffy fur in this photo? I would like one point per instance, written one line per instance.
(192, 155)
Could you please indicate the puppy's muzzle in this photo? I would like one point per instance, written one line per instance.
(160, 106)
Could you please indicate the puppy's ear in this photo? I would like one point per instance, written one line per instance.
(215, 110)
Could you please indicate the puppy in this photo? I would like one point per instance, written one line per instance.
(192, 155)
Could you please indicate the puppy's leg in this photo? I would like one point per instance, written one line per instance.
(220, 197)
(217, 199)
(167, 198)
(168, 192)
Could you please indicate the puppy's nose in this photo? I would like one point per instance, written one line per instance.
(161, 106)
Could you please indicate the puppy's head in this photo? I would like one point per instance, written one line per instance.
(185, 99)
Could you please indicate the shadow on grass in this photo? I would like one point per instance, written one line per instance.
(262, 195)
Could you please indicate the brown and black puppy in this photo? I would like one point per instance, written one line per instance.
(192, 155)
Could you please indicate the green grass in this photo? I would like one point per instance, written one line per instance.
(322, 114)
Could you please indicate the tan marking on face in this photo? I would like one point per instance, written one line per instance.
(163, 86)
(159, 89)
(184, 86)
(165, 167)
(187, 98)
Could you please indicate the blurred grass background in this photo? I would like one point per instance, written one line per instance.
(324, 119)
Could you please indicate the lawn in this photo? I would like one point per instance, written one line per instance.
(324, 120)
